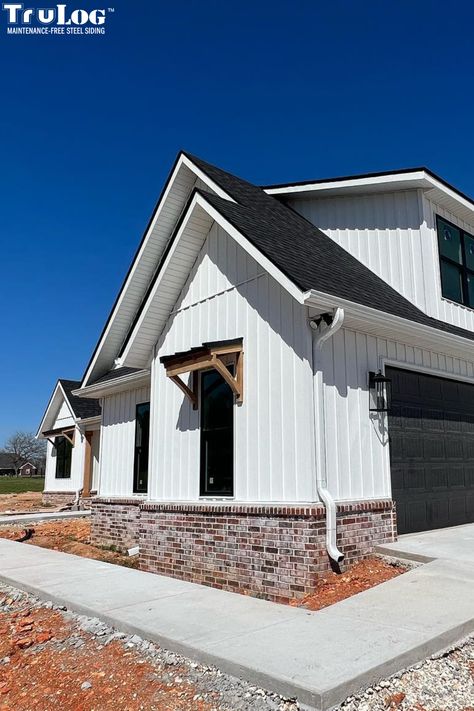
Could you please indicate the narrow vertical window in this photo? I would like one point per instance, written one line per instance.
(142, 441)
(63, 449)
(217, 435)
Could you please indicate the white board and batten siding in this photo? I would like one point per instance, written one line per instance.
(394, 234)
(381, 230)
(439, 307)
(117, 441)
(356, 441)
(227, 295)
(75, 481)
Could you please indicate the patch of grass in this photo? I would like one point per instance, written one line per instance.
(18, 484)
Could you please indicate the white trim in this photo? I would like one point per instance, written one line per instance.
(253, 251)
(199, 201)
(114, 385)
(376, 183)
(370, 181)
(182, 160)
(48, 407)
(385, 361)
(399, 324)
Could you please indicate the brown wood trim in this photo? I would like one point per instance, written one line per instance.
(216, 356)
(87, 482)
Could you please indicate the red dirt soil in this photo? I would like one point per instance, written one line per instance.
(45, 673)
(70, 536)
(26, 501)
(334, 587)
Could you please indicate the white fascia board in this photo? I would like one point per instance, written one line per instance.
(126, 382)
(182, 161)
(446, 190)
(253, 251)
(439, 339)
(199, 201)
(57, 390)
(369, 182)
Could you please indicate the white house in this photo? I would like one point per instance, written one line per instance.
(71, 426)
(249, 437)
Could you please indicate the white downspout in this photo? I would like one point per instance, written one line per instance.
(319, 337)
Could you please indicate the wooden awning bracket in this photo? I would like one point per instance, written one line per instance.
(217, 356)
(69, 436)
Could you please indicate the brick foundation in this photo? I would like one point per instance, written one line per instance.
(115, 522)
(274, 552)
(58, 498)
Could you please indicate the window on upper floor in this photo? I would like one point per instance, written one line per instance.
(456, 259)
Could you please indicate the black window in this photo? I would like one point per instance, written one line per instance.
(142, 441)
(217, 435)
(63, 449)
(456, 256)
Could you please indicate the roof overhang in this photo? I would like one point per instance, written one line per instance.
(52, 408)
(112, 386)
(435, 187)
(183, 251)
(184, 177)
(383, 325)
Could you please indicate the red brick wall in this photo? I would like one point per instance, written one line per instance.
(115, 522)
(275, 552)
(58, 498)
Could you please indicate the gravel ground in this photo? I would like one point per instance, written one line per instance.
(442, 683)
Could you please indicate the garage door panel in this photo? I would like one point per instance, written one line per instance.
(431, 427)
(432, 449)
(432, 420)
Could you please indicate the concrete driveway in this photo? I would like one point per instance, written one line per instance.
(455, 544)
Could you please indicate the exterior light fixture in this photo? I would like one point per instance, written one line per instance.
(379, 392)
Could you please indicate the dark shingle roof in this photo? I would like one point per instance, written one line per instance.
(82, 407)
(308, 257)
(117, 373)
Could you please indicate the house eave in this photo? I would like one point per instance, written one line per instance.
(386, 325)
(126, 382)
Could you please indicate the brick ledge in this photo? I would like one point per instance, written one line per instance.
(303, 510)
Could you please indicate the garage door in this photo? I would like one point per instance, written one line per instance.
(431, 428)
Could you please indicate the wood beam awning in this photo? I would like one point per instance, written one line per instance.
(67, 432)
(218, 355)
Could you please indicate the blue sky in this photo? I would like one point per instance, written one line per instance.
(272, 90)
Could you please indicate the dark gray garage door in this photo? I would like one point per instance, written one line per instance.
(431, 428)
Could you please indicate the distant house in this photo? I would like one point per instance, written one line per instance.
(9, 466)
(27, 469)
(71, 425)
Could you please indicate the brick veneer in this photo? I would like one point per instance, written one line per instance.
(58, 498)
(276, 552)
(115, 522)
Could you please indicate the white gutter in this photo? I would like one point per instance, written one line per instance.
(107, 387)
(446, 340)
(319, 337)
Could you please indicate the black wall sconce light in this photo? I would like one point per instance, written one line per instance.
(380, 392)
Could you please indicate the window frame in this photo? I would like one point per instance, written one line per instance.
(462, 267)
(136, 489)
(231, 365)
(68, 445)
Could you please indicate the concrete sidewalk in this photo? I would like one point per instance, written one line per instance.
(319, 657)
(32, 517)
(456, 543)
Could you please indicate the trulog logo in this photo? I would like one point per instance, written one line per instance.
(56, 20)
